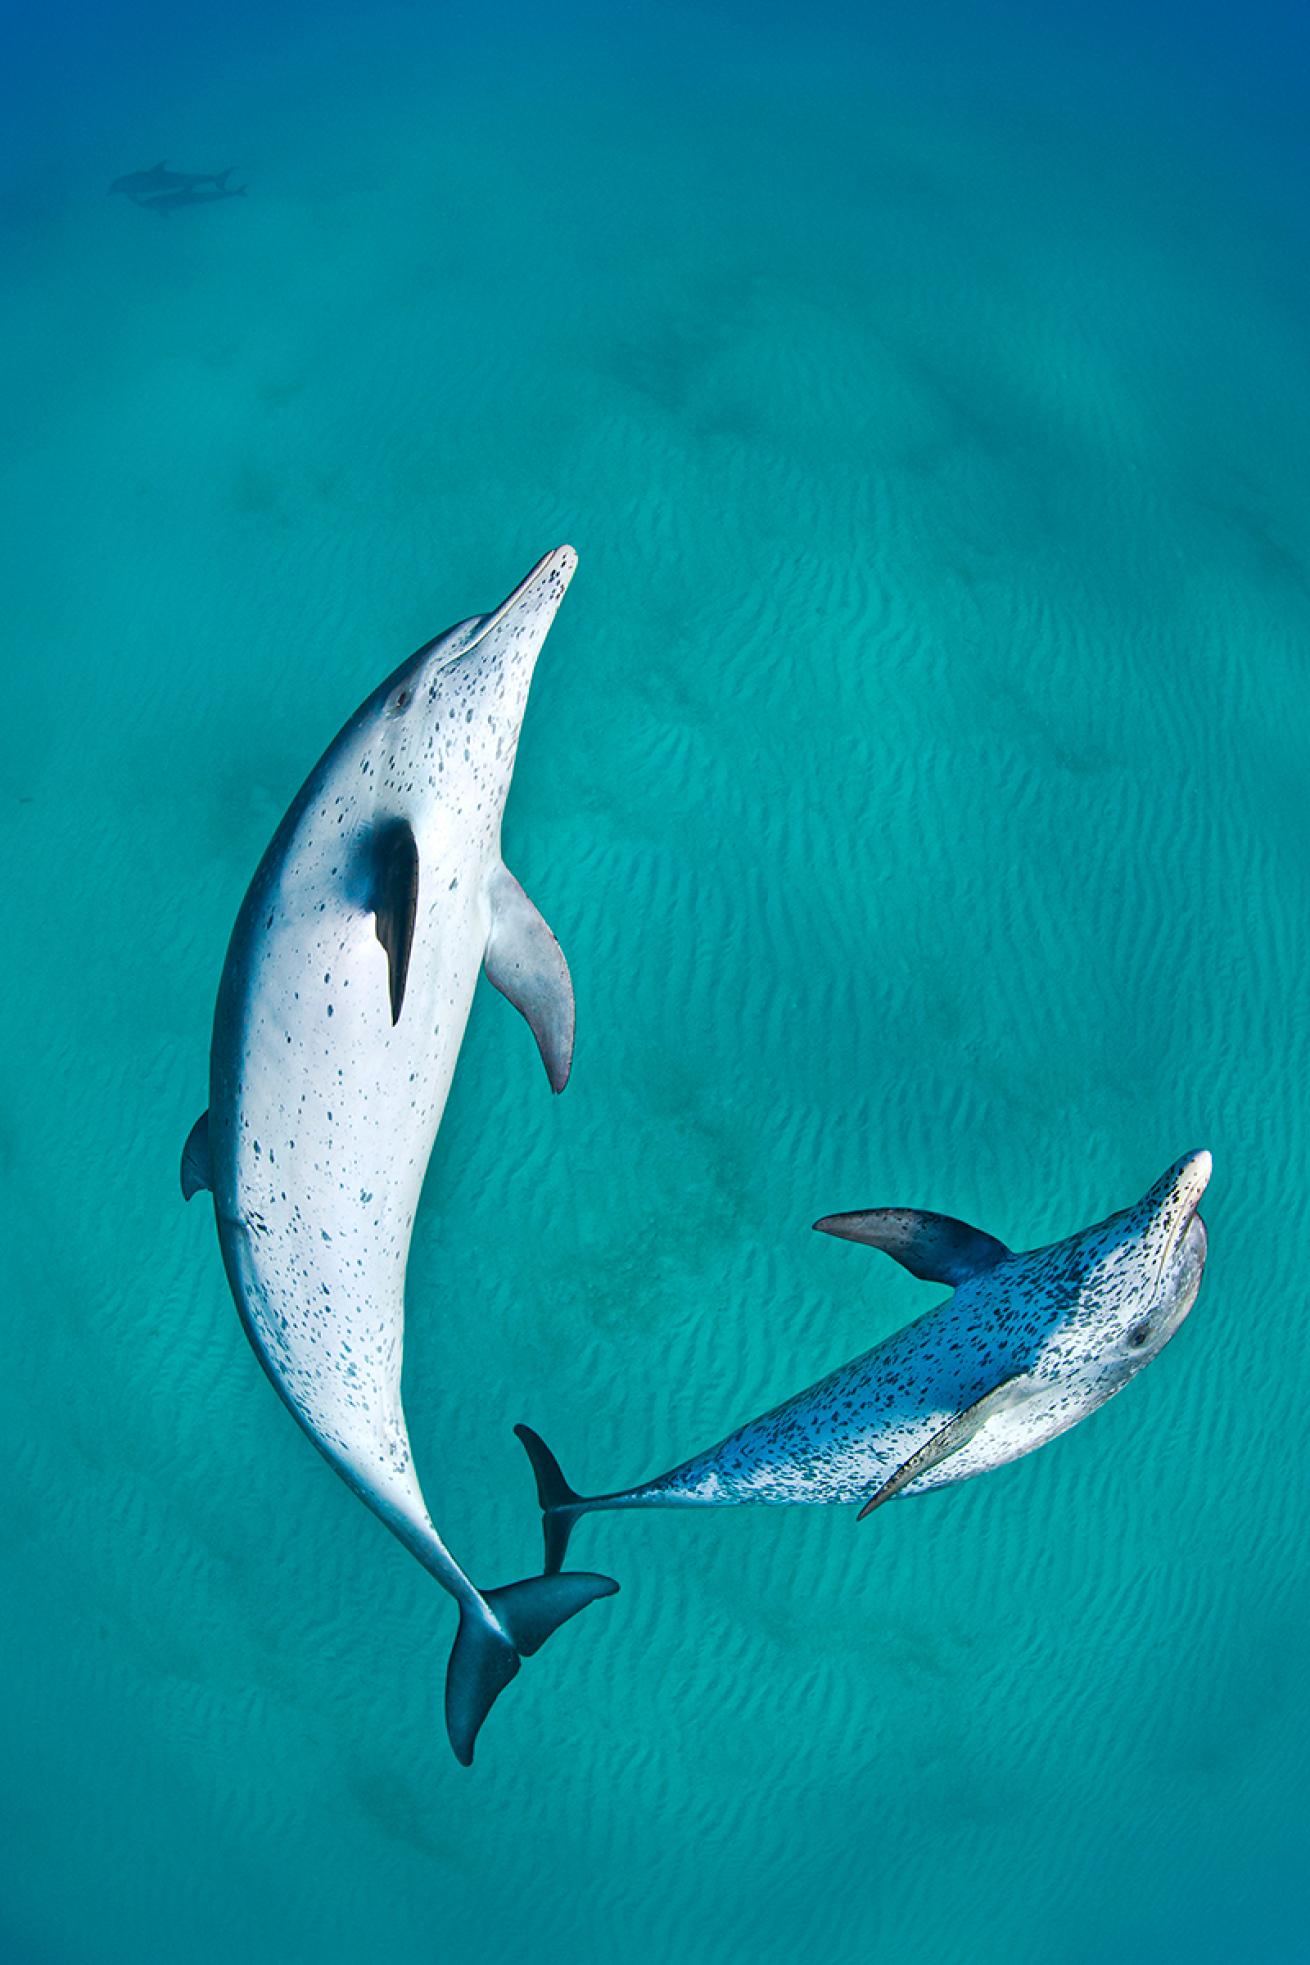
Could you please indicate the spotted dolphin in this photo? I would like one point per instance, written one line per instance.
(340, 1014)
(1026, 1347)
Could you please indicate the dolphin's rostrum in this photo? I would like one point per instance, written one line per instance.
(340, 1014)
(1026, 1347)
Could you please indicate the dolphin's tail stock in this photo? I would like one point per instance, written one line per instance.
(560, 1505)
(483, 1661)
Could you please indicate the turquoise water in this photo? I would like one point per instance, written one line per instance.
(916, 779)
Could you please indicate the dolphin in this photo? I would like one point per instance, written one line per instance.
(1025, 1347)
(170, 201)
(141, 184)
(340, 1013)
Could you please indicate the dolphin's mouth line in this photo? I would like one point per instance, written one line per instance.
(1175, 1242)
(558, 556)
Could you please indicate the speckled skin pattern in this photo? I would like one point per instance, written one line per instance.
(322, 1113)
(1075, 1322)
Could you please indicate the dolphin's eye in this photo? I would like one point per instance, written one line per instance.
(402, 699)
(1138, 1335)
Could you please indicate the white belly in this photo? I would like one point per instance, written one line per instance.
(321, 1154)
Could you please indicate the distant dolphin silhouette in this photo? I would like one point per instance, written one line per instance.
(142, 184)
(1026, 1347)
(170, 201)
(340, 1014)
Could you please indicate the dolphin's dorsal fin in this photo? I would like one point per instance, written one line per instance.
(934, 1247)
(955, 1434)
(196, 1170)
(526, 964)
(393, 896)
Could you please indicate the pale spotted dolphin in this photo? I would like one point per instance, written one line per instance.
(340, 1014)
(1026, 1347)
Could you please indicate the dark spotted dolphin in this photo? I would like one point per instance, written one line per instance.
(1026, 1347)
(340, 1014)
(158, 178)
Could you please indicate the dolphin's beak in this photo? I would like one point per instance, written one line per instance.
(545, 584)
(1192, 1180)
(510, 639)
(1177, 1208)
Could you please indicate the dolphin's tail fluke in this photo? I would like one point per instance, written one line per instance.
(484, 1661)
(560, 1505)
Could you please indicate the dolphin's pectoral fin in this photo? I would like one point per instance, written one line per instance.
(394, 900)
(934, 1247)
(526, 964)
(196, 1170)
(955, 1434)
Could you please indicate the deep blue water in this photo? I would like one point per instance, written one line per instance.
(916, 778)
